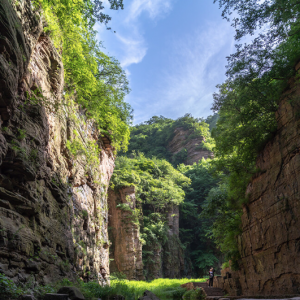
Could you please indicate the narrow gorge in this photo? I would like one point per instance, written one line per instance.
(91, 200)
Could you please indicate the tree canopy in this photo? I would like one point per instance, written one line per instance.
(153, 136)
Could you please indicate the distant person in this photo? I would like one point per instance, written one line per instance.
(211, 277)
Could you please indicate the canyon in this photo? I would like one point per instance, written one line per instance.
(58, 216)
(53, 205)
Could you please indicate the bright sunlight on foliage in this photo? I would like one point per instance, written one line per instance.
(95, 80)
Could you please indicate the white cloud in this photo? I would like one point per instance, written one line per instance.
(196, 65)
(154, 8)
(132, 44)
(134, 50)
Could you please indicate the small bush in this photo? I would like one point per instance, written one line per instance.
(225, 265)
(8, 288)
(197, 294)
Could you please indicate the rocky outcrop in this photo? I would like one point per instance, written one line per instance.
(172, 255)
(53, 205)
(185, 145)
(126, 248)
(270, 243)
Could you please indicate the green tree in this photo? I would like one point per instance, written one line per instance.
(195, 232)
(153, 136)
(257, 75)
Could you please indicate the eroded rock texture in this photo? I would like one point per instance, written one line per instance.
(270, 242)
(183, 140)
(126, 248)
(53, 206)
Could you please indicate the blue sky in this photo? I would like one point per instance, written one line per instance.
(174, 53)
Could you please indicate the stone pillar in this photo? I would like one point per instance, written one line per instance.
(126, 248)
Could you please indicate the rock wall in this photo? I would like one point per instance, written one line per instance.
(126, 248)
(166, 260)
(270, 242)
(183, 140)
(53, 205)
(172, 256)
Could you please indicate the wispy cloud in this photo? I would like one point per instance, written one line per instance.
(154, 9)
(197, 64)
(134, 50)
(130, 30)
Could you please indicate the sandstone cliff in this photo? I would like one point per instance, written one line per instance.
(270, 243)
(191, 147)
(124, 233)
(53, 207)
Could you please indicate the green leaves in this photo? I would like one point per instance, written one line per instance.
(157, 182)
(258, 74)
(93, 79)
(153, 136)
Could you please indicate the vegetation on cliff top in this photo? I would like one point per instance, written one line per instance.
(257, 74)
(153, 136)
(95, 80)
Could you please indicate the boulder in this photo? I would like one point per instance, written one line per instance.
(73, 292)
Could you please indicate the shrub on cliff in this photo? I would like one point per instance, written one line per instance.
(95, 80)
(8, 288)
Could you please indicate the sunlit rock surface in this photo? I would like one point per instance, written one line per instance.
(270, 242)
(183, 139)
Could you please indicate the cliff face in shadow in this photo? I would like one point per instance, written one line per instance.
(270, 243)
(53, 207)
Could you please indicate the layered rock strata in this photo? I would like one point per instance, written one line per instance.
(53, 205)
(270, 242)
(126, 248)
(183, 140)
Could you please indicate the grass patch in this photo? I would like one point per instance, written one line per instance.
(164, 289)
